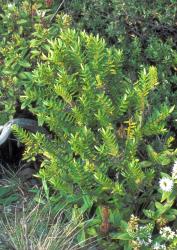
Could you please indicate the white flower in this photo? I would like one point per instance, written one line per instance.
(149, 240)
(144, 242)
(142, 227)
(174, 170)
(157, 246)
(166, 184)
(167, 233)
(140, 241)
(10, 5)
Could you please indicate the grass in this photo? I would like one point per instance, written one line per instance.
(35, 230)
(28, 224)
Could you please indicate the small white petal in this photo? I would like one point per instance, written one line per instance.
(174, 170)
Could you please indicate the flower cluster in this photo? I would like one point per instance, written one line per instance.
(158, 246)
(144, 236)
(133, 223)
(143, 242)
(167, 233)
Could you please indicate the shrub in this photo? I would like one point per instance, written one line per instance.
(109, 144)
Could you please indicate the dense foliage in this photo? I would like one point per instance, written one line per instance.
(146, 31)
(108, 142)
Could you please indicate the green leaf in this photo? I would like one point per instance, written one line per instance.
(87, 203)
(165, 196)
(46, 189)
(164, 160)
(170, 217)
(4, 191)
(22, 21)
(25, 75)
(149, 213)
(173, 211)
(92, 232)
(24, 64)
(9, 200)
(81, 237)
(161, 208)
(120, 236)
(145, 164)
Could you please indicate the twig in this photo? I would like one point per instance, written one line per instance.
(57, 11)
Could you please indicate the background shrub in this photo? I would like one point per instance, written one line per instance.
(146, 33)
